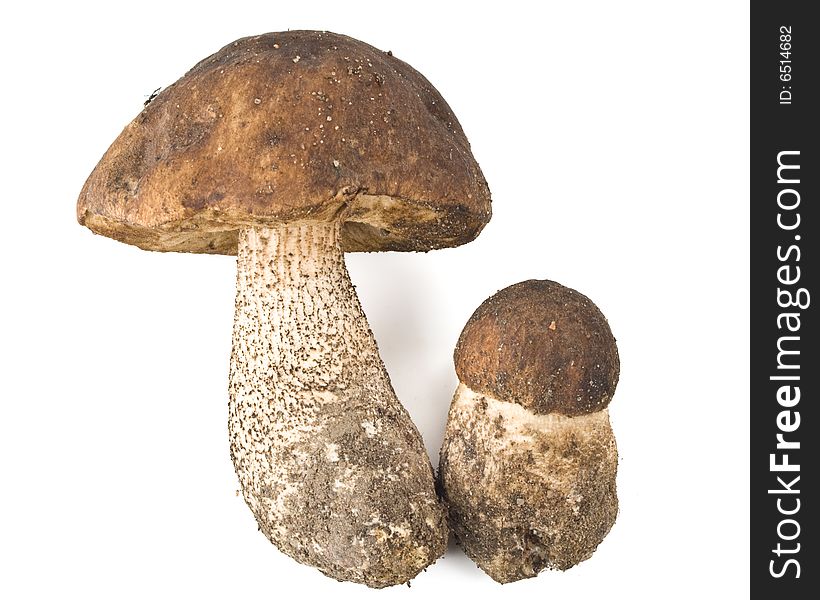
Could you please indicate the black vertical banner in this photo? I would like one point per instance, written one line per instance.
(785, 225)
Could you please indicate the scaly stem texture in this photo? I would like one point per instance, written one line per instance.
(329, 461)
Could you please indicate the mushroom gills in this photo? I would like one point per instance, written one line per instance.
(329, 462)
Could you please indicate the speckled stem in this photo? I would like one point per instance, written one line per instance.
(329, 461)
(527, 491)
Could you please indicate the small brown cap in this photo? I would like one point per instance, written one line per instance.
(285, 127)
(541, 345)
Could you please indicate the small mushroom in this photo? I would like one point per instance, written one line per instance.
(529, 460)
(288, 149)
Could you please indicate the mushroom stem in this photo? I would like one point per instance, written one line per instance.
(541, 495)
(329, 461)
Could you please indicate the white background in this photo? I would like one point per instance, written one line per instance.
(614, 136)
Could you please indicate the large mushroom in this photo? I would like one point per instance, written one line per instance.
(288, 149)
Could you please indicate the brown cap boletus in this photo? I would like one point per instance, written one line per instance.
(288, 149)
(529, 460)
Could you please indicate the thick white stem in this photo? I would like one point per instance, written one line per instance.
(527, 491)
(329, 461)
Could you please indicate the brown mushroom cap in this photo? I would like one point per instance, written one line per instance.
(284, 127)
(541, 345)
